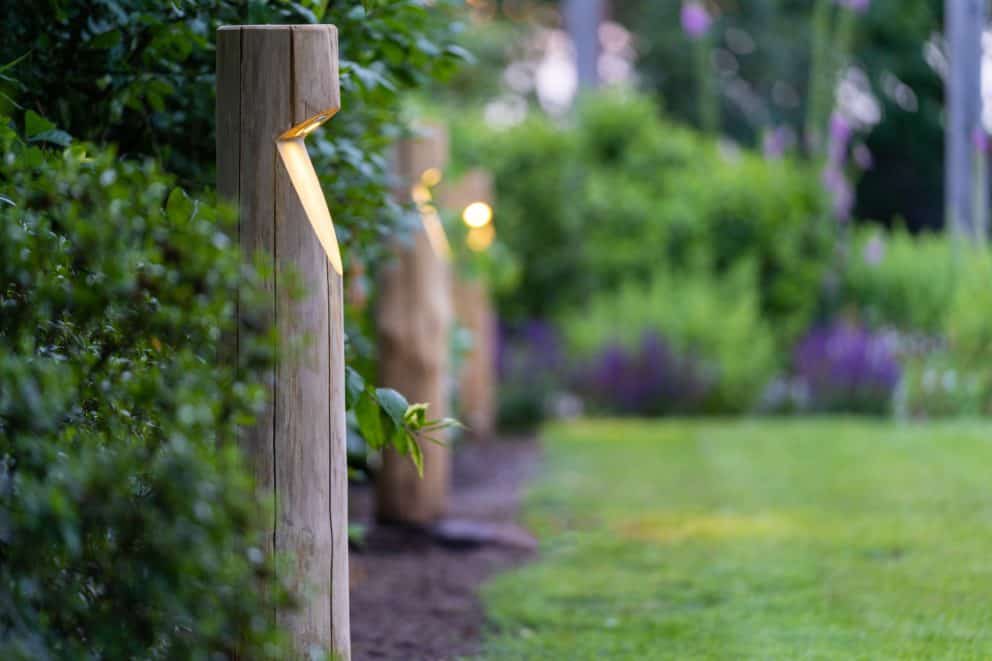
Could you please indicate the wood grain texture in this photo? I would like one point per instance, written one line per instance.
(315, 53)
(296, 450)
(414, 321)
(228, 148)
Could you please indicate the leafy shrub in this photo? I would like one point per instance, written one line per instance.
(968, 322)
(956, 378)
(649, 379)
(127, 523)
(715, 320)
(939, 385)
(591, 206)
(895, 279)
(847, 368)
(140, 74)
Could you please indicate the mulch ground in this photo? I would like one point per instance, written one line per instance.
(415, 598)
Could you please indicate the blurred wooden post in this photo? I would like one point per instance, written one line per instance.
(966, 194)
(275, 84)
(474, 311)
(414, 323)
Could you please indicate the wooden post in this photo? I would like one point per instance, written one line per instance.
(966, 194)
(474, 311)
(275, 84)
(414, 323)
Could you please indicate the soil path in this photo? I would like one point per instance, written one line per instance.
(412, 598)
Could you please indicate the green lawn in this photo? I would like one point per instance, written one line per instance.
(815, 539)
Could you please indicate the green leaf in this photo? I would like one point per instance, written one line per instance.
(369, 420)
(415, 415)
(106, 40)
(416, 454)
(179, 207)
(393, 404)
(13, 63)
(354, 386)
(35, 124)
(55, 137)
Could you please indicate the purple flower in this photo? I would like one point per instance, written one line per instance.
(774, 142)
(696, 20)
(862, 156)
(649, 379)
(848, 368)
(840, 136)
(980, 140)
(858, 6)
(841, 192)
(874, 251)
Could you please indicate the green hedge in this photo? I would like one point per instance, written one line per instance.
(127, 523)
(621, 191)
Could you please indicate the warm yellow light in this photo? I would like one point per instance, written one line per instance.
(431, 177)
(480, 238)
(477, 214)
(435, 232)
(304, 179)
(305, 128)
(420, 194)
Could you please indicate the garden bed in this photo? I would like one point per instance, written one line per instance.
(413, 597)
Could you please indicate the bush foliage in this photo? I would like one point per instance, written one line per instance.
(713, 322)
(126, 520)
(590, 207)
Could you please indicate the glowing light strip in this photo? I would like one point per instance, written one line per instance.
(435, 233)
(304, 179)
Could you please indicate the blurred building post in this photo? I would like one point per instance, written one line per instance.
(474, 308)
(414, 323)
(275, 84)
(966, 189)
(582, 18)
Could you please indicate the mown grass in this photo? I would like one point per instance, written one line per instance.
(840, 539)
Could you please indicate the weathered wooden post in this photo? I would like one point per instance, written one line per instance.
(471, 198)
(414, 322)
(275, 84)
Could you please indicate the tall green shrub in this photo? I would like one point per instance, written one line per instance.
(127, 524)
(897, 279)
(622, 191)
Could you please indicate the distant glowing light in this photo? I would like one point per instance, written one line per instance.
(420, 194)
(477, 214)
(431, 177)
(480, 238)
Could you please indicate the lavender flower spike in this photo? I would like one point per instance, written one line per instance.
(696, 20)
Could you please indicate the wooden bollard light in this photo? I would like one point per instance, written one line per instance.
(275, 85)
(414, 322)
(471, 196)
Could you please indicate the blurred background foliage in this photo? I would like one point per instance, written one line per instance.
(628, 211)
